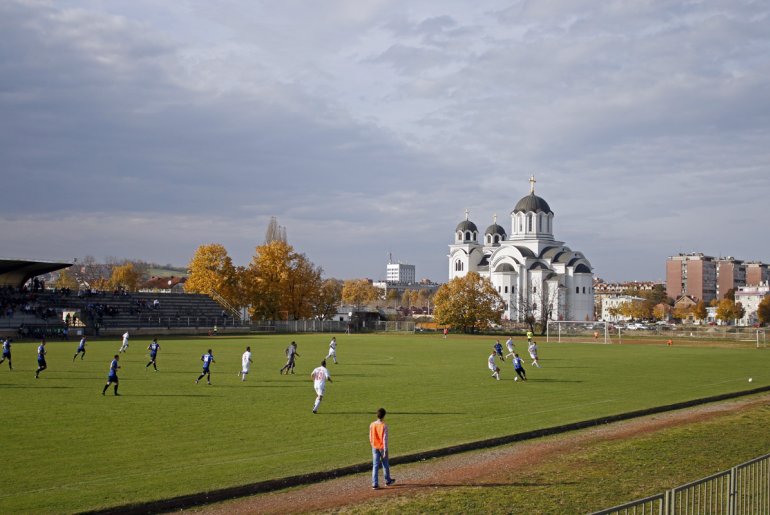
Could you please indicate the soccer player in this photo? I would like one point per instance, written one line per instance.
(446, 331)
(518, 366)
(7, 352)
(245, 363)
(533, 354)
(291, 355)
(378, 438)
(113, 375)
(81, 349)
(207, 359)
(499, 350)
(493, 366)
(41, 364)
(320, 375)
(333, 349)
(154, 347)
(124, 345)
(530, 334)
(510, 345)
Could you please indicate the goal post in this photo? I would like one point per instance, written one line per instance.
(761, 338)
(577, 331)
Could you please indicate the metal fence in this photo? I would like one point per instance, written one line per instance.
(742, 490)
(329, 326)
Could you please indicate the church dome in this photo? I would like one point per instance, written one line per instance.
(495, 229)
(532, 203)
(466, 225)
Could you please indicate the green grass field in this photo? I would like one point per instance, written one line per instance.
(66, 448)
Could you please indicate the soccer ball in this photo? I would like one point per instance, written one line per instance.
(750, 379)
(516, 378)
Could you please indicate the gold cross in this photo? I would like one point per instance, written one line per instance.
(532, 182)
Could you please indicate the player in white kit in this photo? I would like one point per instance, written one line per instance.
(124, 345)
(333, 350)
(320, 375)
(533, 354)
(509, 344)
(245, 363)
(493, 366)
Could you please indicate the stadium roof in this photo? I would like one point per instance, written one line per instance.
(16, 272)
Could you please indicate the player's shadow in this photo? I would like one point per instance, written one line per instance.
(370, 412)
(257, 385)
(169, 395)
(546, 380)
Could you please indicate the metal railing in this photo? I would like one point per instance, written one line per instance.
(744, 489)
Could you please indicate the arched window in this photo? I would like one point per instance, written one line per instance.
(529, 223)
(577, 289)
(534, 289)
(584, 289)
(459, 266)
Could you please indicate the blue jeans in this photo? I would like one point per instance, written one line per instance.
(379, 457)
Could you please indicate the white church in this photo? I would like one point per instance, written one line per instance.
(529, 268)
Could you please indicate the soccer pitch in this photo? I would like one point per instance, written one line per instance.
(66, 448)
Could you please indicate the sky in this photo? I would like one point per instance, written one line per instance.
(141, 129)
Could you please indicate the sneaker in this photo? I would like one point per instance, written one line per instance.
(390, 481)
(375, 487)
(196, 381)
(117, 395)
(315, 412)
(209, 383)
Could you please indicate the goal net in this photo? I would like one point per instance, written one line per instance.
(761, 338)
(577, 331)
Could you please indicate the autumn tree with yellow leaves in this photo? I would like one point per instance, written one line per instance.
(281, 283)
(125, 277)
(468, 303)
(212, 270)
(360, 292)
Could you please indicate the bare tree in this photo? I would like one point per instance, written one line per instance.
(274, 231)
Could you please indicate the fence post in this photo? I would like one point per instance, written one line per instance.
(733, 487)
(668, 503)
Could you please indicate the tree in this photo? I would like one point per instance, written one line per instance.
(699, 311)
(739, 311)
(66, 279)
(211, 269)
(125, 277)
(469, 303)
(682, 312)
(281, 282)
(392, 297)
(328, 298)
(763, 311)
(726, 310)
(730, 294)
(359, 292)
(274, 231)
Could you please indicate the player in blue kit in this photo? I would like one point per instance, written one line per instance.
(153, 348)
(7, 352)
(207, 359)
(499, 350)
(41, 364)
(518, 367)
(81, 349)
(113, 375)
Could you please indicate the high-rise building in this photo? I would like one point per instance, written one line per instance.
(756, 273)
(731, 274)
(400, 273)
(691, 274)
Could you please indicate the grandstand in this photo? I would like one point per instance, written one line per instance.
(35, 311)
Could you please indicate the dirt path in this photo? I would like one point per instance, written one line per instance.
(470, 468)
